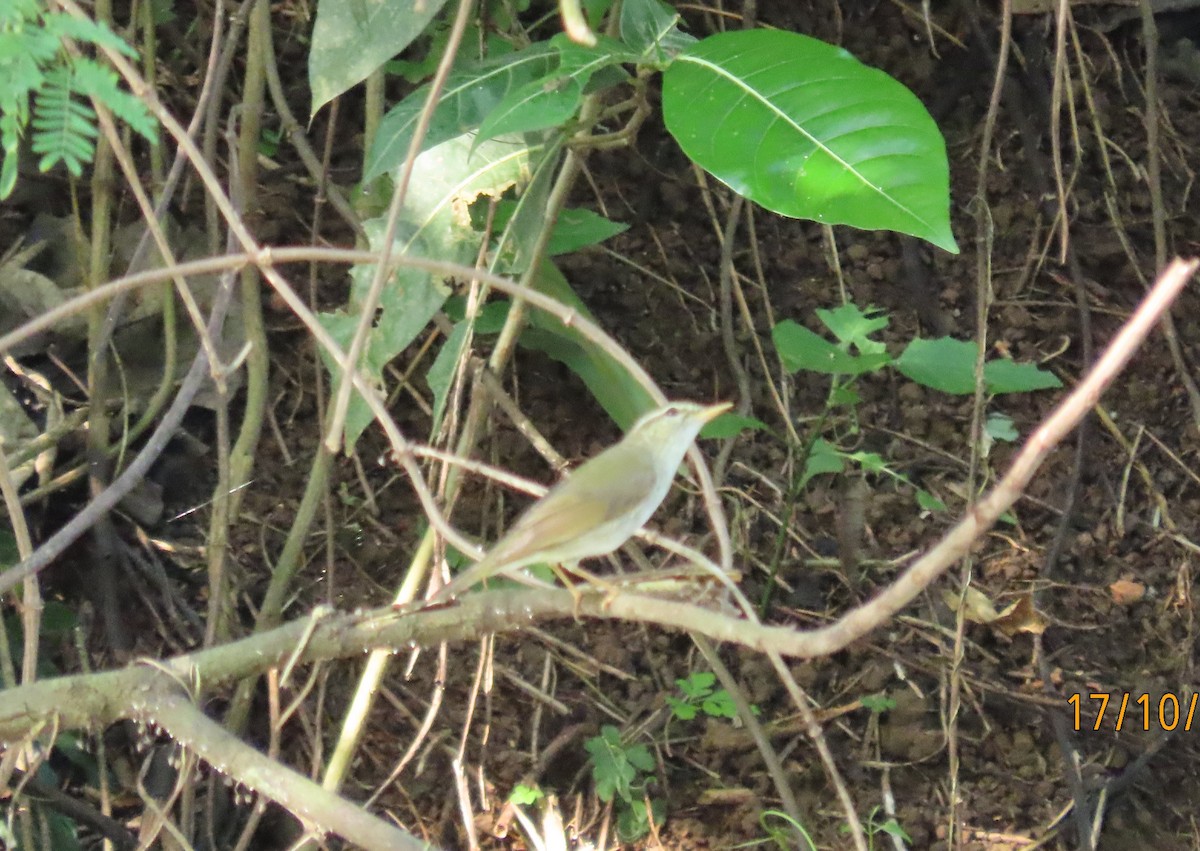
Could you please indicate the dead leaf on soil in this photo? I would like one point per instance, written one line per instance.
(1018, 616)
(1021, 616)
(976, 606)
(1125, 592)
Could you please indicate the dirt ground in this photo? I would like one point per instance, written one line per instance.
(1115, 599)
(1111, 580)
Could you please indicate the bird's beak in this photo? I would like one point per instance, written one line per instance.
(713, 411)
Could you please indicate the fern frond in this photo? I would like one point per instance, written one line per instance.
(16, 12)
(88, 32)
(63, 128)
(102, 83)
(34, 64)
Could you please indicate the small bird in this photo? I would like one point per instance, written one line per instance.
(602, 504)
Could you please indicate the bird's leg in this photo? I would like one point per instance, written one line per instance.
(610, 589)
(564, 576)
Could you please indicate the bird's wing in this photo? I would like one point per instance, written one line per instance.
(620, 495)
(547, 522)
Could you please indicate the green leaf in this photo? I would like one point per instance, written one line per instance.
(651, 28)
(633, 821)
(1001, 427)
(411, 299)
(15, 12)
(681, 709)
(102, 83)
(64, 128)
(419, 64)
(611, 769)
(63, 832)
(341, 328)
(489, 320)
(58, 620)
(731, 425)
(434, 224)
(877, 703)
(583, 61)
(622, 396)
(639, 757)
(441, 372)
(871, 462)
(546, 102)
(804, 129)
(467, 98)
(823, 458)
(800, 348)
(698, 684)
(550, 100)
(447, 179)
(81, 756)
(352, 38)
(523, 795)
(8, 173)
(719, 705)
(944, 364)
(576, 228)
(853, 327)
(948, 365)
(526, 217)
(87, 30)
(1006, 376)
(844, 395)
(579, 228)
(892, 828)
(929, 502)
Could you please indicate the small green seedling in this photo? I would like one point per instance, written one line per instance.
(621, 772)
(889, 826)
(877, 703)
(946, 365)
(699, 696)
(784, 835)
(524, 796)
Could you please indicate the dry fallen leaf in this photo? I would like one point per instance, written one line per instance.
(976, 606)
(1020, 616)
(1125, 592)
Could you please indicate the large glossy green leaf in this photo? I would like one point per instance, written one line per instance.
(352, 38)
(806, 130)
(468, 97)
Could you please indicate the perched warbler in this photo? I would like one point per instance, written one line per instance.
(602, 504)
